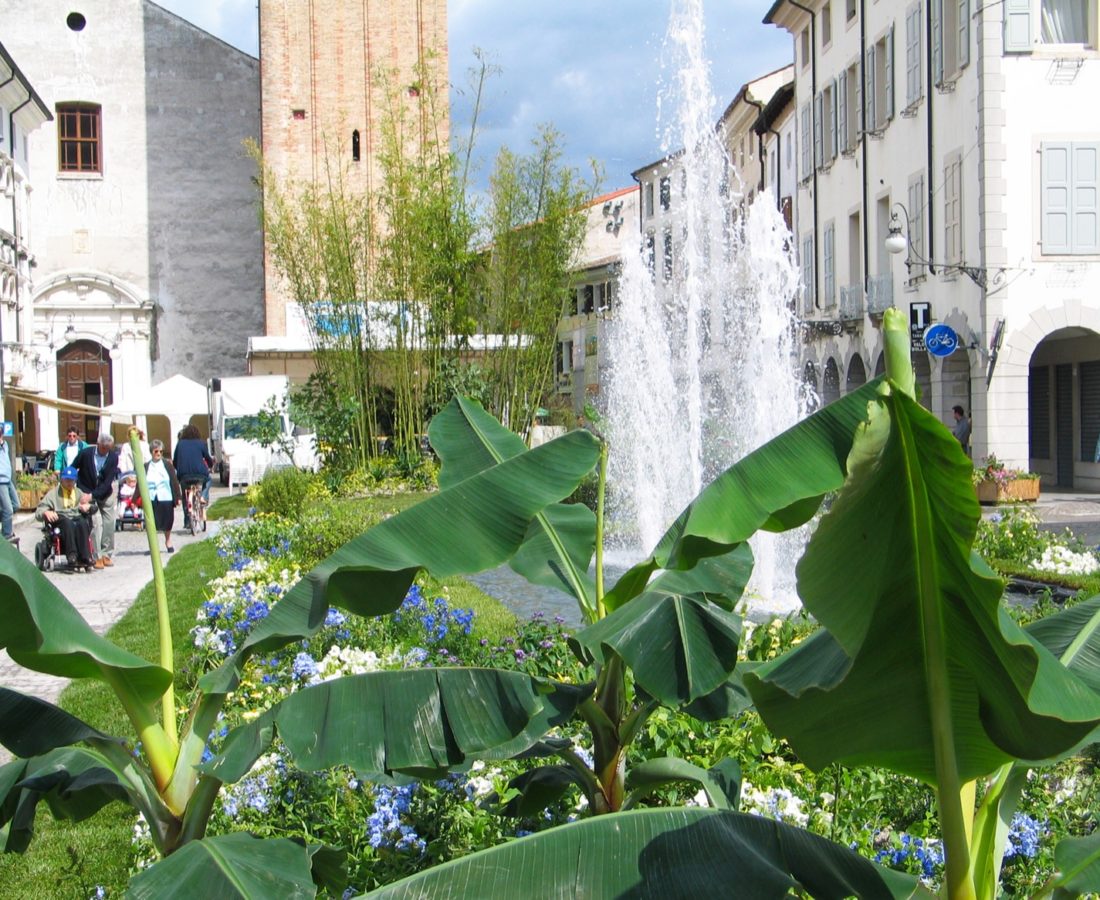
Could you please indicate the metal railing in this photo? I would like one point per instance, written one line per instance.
(851, 302)
(880, 294)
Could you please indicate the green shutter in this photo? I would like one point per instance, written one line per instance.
(833, 121)
(890, 74)
(1085, 225)
(1018, 26)
(937, 40)
(870, 119)
(819, 147)
(962, 47)
(1055, 196)
(842, 110)
(912, 55)
(806, 164)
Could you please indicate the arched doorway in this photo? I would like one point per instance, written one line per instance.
(1063, 406)
(857, 374)
(83, 376)
(830, 388)
(811, 399)
(880, 365)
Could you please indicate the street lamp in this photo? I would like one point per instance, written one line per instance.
(898, 241)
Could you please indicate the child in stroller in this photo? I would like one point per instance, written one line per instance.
(67, 525)
(129, 503)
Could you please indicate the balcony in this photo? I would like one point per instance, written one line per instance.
(880, 294)
(851, 302)
(565, 383)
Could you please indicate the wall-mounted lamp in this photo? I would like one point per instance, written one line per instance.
(898, 241)
(70, 331)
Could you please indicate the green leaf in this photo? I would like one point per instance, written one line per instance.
(560, 541)
(777, 487)
(538, 788)
(1073, 635)
(651, 774)
(419, 721)
(1078, 862)
(43, 632)
(728, 700)
(473, 525)
(229, 866)
(912, 624)
(30, 726)
(660, 852)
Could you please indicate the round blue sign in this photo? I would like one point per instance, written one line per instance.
(941, 340)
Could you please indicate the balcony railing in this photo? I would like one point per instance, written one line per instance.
(851, 302)
(880, 294)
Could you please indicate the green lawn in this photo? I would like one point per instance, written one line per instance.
(68, 860)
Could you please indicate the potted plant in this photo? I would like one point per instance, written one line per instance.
(996, 483)
(32, 487)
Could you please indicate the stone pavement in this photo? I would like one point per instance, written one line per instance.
(1076, 510)
(101, 596)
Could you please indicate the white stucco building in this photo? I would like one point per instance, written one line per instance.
(145, 212)
(973, 125)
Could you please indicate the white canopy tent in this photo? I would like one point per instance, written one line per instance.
(177, 398)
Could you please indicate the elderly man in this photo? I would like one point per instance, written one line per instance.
(96, 471)
(67, 509)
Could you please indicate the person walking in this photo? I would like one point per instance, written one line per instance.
(164, 491)
(7, 477)
(961, 428)
(66, 453)
(96, 470)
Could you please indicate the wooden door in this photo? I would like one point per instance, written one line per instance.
(84, 376)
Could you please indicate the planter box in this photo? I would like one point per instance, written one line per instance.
(1014, 491)
(28, 499)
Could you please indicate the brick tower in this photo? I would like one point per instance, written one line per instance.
(327, 67)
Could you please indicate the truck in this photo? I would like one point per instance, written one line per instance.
(235, 407)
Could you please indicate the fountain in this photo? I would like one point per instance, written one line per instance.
(702, 362)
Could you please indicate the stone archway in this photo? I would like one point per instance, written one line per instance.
(857, 374)
(811, 397)
(830, 383)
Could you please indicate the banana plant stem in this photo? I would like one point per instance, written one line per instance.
(601, 610)
(164, 628)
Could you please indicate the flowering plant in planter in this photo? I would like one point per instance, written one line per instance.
(995, 482)
(995, 471)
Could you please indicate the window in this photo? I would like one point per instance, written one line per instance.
(952, 209)
(855, 255)
(826, 25)
(1070, 197)
(878, 93)
(912, 55)
(807, 266)
(916, 225)
(805, 42)
(666, 193)
(1030, 22)
(589, 299)
(825, 126)
(649, 252)
(667, 268)
(355, 145)
(849, 114)
(829, 265)
(850, 10)
(1064, 22)
(78, 138)
(807, 136)
(950, 39)
(565, 358)
(648, 191)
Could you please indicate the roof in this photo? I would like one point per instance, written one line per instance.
(28, 95)
(775, 107)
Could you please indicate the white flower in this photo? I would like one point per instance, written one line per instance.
(1063, 561)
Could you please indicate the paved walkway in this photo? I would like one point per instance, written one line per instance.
(102, 596)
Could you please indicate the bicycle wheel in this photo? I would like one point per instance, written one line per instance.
(192, 496)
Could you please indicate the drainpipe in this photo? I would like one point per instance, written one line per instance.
(813, 166)
(15, 252)
(759, 142)
(866, 229)
(929, 230)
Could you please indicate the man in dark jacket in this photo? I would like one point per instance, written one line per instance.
(96, 471)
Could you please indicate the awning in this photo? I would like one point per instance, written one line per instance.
(16, 393)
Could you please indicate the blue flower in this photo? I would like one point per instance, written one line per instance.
(304, 666)
(1024, 835)
(334, 618)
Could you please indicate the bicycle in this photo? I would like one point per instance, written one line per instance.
(195, 506)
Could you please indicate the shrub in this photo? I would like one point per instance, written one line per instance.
(285, 492)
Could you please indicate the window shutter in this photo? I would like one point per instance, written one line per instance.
(1017, 26)
(833, 120)
(806, 167)
(830, 271)
(1055, 197)
(962, 47)
(937, 40)
(890, 74)
(912, 55)
(869, 119)
(808, 274)
(819, 147)
(1086, 182)
(842, 110)
(861, 122)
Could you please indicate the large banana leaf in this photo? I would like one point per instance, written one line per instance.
(1073, 635)
(42, 631)
(777, 487)
(912, 622)
(669, 853)
(418, 721)
(680, 635)
(30, 726)
(236, 866)
(561, 539)
(473, 525)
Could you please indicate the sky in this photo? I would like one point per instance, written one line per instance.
(591, 68)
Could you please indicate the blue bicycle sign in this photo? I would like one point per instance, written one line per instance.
(941, 340)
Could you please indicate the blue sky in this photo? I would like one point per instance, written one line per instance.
(592, 68)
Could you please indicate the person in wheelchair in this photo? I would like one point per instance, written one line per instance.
(62, 508)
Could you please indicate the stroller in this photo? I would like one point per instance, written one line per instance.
(49, 554)
(128, 509)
